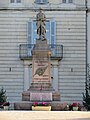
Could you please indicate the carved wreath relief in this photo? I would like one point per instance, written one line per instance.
(40, 71)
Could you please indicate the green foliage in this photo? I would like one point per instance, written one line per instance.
(3, 95)
(86, 101)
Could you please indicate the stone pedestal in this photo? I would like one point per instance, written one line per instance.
(55, 96)
(40, 96)
(26, 96)
(41, 88)
(41, 62)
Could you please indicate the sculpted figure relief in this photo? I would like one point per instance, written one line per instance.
(40, 18)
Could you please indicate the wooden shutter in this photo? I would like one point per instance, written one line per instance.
(53, 32)
(50, 32)
(34, 35)
(30, 29)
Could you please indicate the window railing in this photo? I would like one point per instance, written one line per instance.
(25, 51)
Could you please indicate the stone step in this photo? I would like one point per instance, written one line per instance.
(41, 89)
(40, 83)
(40, 86)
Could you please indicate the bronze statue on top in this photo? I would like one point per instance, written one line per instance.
(41, 31)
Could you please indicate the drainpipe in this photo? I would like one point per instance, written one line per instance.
(86, 48)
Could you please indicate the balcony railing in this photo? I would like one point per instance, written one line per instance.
(25, 51)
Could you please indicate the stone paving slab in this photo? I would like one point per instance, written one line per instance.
(44, 115)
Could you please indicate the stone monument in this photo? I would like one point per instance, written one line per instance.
(41, 87)
(40, 22)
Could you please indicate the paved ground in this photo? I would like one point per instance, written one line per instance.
(44, 115)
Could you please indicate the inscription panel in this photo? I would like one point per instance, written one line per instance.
(41, 70)
(41, 96)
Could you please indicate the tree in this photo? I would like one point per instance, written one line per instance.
(3, 95)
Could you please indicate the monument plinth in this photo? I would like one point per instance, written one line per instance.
(41, 87)
(41, 78)
(41, 62)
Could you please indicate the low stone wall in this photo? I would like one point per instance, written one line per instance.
(23, 106)
(58, 106)
(55, 106)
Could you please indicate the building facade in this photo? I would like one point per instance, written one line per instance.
(88, 48)
(67, 25)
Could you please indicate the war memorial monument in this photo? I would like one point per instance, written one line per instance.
(41, 89)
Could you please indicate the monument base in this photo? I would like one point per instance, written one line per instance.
(40, 96)
(55, 106)
(41, 86)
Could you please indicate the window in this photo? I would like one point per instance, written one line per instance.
(41, 1)
(15, 1)
(63, 1)
(70, 1)
(18, 1)
(12, 1)
(67, 1)
(50, 32)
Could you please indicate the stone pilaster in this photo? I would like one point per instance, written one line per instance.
(26, 75)
(55, 75)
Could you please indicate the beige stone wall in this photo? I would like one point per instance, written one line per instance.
(88, 3)
(80, 2)
(70, 32)
(30, 3)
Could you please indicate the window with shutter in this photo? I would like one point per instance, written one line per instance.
(63, 1)
(15, 1)
(12, 1)
(18, 1)
(67, 1)
(41, 1)
(70, 1)
(50, 32)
